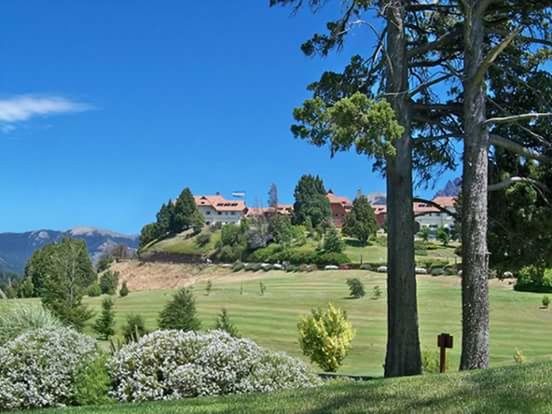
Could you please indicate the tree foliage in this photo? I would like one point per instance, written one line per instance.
(325, 337)
(180, 313)
(225, 324)
(311, 202)
(360, 222)
(105, 323)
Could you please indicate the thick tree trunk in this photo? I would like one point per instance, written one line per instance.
(403, 344)
(475, 297)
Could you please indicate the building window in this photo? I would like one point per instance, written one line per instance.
(220, 213)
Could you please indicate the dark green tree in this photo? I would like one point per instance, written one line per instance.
(123, 292)
(273, 196)
(311, 201)
(360, 223)
(356, 287)
(332, 241)
(281, 228)
(185, 213)
(225, 324)
(443, 235)
(109, 280)
(105, 323)
(149, 233)
(180, 313)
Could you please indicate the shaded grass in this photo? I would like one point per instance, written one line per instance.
(524, 389)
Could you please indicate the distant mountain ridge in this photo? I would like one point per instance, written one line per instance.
(451, 189)
(17, 248)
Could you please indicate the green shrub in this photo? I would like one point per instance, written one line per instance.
(332, 241)
(237, 266)
(134, 328)
(325, 337)
(19, 319)
(534, 279)
(180, 312)
(262, 288)
(253, 267)
(437, 271)
(92, 382)
(545, 301)
(208, 287)
(431, 361)
(324, 258)
(203, 239)
(124, 290)
(225, 324)
(377, 293)
(108, 282)
(356, 288)
(94, 290)
(519, 357)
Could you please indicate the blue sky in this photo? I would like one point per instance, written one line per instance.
(109, 108)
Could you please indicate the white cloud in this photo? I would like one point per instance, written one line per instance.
(22, 108)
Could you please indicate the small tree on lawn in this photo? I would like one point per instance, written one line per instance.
(124, 289)
(332, 241)
(180, 312)
(356, 288)
(225, 324)
(106, 322)
(443, 236)
(424, 234)
(360, 223)
(108, 282)
(208, 288)
(545, 302)
(262, 288)
(326, 336)
(134, 328)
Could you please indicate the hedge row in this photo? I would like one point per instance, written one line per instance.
(297, 257)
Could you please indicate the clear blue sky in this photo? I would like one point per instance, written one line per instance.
(108, 108)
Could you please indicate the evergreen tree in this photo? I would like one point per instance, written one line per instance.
(149, 233)
(360, 223)
(134, 329)
(124, 289)
(273, 196)
(311, 201)
(225, 324)
(180, 313)
(332, 241)
(186, 215)
(105, 323)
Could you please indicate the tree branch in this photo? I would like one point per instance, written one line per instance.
(514, 118)
(540, 187)
(427, 84)
(491, 57)
(518, 149)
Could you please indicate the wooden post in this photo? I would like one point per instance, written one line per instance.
(444, 341)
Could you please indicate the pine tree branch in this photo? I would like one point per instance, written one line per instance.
(491, 57)
(427, 84)
(540, 187)
(514, 118)
(517, 148)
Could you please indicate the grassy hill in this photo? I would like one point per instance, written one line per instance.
(516, 389)
(517, 321)
(374, 252)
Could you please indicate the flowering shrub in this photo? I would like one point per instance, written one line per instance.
(38, 368)
(174, 364)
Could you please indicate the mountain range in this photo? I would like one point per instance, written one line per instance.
(17, 248)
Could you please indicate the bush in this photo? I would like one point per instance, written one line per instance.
(377, 293)
(19, 319)
(519, 357)
(534, 279)
(134, 329)
(431, 362)
(92, 382)
(108, 282)
(253, 267)
(124, 290)
(180, 313)
(203, 239)
(237, 266)
(332, 241)
(356, 288)
(437, 271)
(337, 259)
(94, 290)
(326, 336)
(545, 301)
(172, 364)
(39, 368)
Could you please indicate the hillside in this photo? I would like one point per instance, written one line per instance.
(17, 248)
(519, 389)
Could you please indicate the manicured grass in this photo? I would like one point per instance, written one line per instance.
(517, 321)
(185, 245)
(523, 389)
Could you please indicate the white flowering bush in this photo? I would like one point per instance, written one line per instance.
(38, 368)
(174, 364)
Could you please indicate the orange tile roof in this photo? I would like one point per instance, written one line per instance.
(444, 201)
(219, 203)
(335, 199)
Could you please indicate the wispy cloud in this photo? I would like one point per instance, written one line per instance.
(23, 108)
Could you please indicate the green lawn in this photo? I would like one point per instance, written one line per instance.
(523, 389)
(183, 244)
(517, 322)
